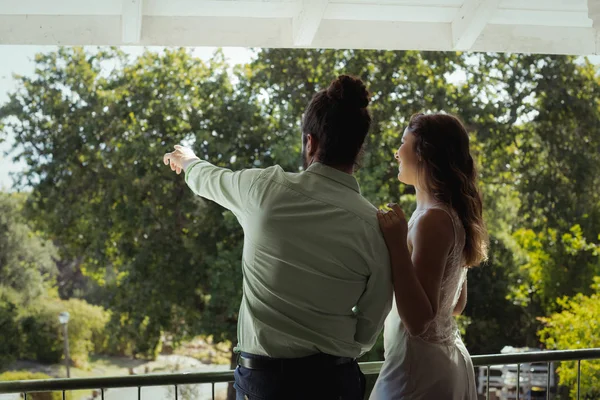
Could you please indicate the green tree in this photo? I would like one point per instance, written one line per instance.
(554, 266)
(539, 166)
(27, 260)
(92, 128)
(494, 320)
(93, 142)
(10, 345)
(576, 326)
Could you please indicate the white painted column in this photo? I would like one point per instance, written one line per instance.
(131, 21)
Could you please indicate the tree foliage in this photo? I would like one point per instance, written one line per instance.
(576, 327)
(92, 127)
(93, 143)
(27, 260)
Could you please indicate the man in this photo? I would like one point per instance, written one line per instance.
(317, 283)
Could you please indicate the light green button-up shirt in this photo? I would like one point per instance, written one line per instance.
(316, 268)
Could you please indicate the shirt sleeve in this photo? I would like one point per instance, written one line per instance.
(375, 303)
(230, 189)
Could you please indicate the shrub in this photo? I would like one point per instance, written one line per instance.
(43, 335)
(576, 326)
(40, 337)
(9, 333)
(26, 375)
(134, 337)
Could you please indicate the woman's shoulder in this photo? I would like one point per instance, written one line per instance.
(434, 217)
(434, 223)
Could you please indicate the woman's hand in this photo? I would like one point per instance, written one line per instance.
(393, 225)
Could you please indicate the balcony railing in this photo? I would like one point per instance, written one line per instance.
(369, 368)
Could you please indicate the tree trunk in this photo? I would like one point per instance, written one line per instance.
(230, 389)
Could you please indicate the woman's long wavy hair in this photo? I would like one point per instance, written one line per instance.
(447, 171)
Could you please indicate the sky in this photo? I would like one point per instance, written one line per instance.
(19, 60)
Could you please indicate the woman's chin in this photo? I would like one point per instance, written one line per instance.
(402, 179)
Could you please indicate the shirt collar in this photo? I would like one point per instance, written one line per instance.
(335, 175)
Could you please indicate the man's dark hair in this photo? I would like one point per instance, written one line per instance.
(338, 119)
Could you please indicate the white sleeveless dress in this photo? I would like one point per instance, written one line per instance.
(436, 364)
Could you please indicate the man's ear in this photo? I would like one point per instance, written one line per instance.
(312, 145)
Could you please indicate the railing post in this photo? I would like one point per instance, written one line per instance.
(548, 381)
(67, 355)
(518, 381)
(487, 386)
(578, 378)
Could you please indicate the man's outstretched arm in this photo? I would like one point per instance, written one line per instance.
(225, 187)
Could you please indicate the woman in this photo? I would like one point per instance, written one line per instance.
(425, 357)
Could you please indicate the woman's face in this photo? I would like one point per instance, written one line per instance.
(408, 160)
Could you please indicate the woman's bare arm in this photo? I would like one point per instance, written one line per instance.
(417, 279)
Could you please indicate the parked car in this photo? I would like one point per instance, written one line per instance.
(534, 378)
(496, 380)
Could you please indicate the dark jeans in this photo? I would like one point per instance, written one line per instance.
(314, 380)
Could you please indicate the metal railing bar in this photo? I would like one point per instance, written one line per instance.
(535, 356)
(578, 377)
(48, 385)
(368, 368)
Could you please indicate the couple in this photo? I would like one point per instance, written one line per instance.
(322, 266)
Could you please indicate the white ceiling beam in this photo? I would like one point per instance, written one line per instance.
(541, 18)
(470, 21)
(131, 21)
(219, 8)
(61, 7)
(549, 5)
(277, 33)
(306, 23)
(389, 12)
(537, 39)
(386, 35)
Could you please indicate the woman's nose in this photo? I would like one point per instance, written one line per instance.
(397, 156)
